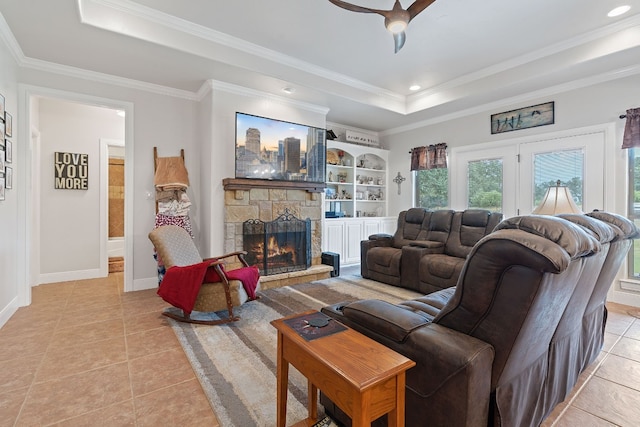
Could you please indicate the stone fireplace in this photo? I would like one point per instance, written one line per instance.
(279, 246)
(266, 201)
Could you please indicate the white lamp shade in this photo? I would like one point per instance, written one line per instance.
(557, 200)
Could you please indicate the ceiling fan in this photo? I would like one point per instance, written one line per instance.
(396, 19)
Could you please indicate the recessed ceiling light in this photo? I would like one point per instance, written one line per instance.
(414, 87)
(618, 11)
(289, 90)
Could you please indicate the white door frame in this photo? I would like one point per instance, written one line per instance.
(29, 191)
(490, 150)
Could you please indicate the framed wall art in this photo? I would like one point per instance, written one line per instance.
(2, 111)
(8, 177)
(2, 191)
(8, 124)
(71, 171)
(8, 151)
(523, 118)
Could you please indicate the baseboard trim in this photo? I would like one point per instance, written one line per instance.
(622, 297)
(66, 276)
(8, 311)
(144, 284)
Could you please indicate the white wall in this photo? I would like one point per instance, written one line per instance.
(69, 218)
(594, 105)
(12, 248)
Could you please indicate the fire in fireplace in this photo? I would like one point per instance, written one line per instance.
(278, 246)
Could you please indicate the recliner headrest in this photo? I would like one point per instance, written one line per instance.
(602, 231)
(571, 237)
(626, 226)
(475, 217)
(415, 215)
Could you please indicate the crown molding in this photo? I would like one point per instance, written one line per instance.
(79, 73)
(526, 97)
(9, 39)
(97, 77)
(211, 85)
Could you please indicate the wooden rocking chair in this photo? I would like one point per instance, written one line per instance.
(175, 247)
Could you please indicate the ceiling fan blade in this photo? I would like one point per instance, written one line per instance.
(356, 8)
(417, 7)
(399, 39)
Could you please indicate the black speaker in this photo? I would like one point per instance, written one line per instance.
(332, 259)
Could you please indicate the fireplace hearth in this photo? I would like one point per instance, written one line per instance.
(279, 246)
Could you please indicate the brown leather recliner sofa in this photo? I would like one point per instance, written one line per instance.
(428, 249)
(506, 345)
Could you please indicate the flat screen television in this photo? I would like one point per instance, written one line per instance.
(278, 150)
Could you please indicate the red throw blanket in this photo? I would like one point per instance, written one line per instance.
(180, 285)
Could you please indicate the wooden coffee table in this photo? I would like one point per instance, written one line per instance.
(363, 377)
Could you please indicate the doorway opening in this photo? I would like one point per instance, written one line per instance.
(74, 123)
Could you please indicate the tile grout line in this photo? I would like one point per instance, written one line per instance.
(589, 377)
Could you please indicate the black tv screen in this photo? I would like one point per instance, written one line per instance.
(278, 150)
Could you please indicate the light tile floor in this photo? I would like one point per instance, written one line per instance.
(86, 354)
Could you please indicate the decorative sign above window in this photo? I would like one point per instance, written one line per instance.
(71, 171)
(523, 118)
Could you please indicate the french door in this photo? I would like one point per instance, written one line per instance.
(576, 161)
(521, 171)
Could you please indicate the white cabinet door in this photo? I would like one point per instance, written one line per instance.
(388, 225)
(334, 237)
(371, 226)
(353, 236)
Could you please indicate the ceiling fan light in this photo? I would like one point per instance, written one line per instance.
(397, 20)
(396, 26)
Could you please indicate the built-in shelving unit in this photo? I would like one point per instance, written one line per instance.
(355, 198)
(356, 181)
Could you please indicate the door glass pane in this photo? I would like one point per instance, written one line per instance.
(566, 166)
(484, 182)
(432, 188)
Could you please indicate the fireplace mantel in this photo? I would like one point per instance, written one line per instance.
(248, 184)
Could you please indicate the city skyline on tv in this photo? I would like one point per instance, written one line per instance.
(278, 150)
(272, 132)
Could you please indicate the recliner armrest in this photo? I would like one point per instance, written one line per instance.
(389, 320)
(410, 261)
(380, 236)
(431, 246)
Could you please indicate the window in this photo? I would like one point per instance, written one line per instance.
(432, 188)
(566, 166)
(485, 184)
(634, 209)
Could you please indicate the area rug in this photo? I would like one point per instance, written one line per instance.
(236, 362)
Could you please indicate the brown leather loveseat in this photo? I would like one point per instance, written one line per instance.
(507, 344)
(428, 249)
